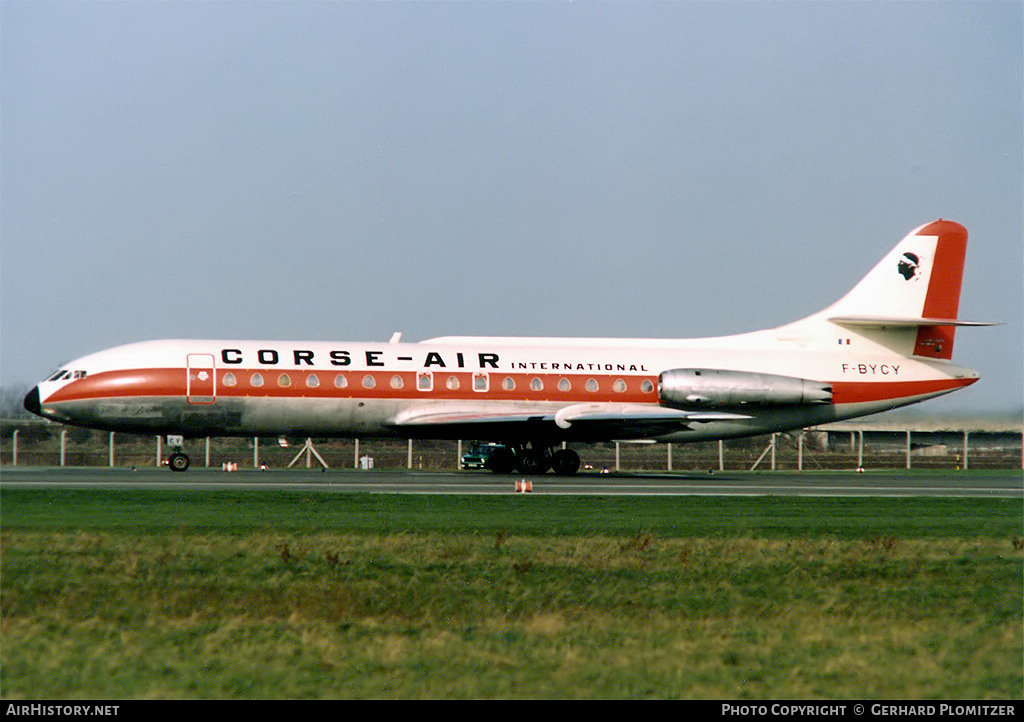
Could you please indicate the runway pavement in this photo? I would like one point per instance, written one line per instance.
(779, 483)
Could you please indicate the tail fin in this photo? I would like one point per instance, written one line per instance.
(916, 287)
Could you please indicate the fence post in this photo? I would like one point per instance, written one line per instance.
(63, 445)
(111, 449)
(14, 448)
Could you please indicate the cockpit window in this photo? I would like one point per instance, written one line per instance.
(80, 374)
(64, 374)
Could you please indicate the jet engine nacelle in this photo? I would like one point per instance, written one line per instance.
(690, 387)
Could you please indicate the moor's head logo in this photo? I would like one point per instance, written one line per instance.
(908, 265)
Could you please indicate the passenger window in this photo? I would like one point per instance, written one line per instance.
(229, 379)
(619, 386)
(256, 380)
(312, 381)
(591, 384)
(647, 387)
(396, 382)
(480, 381)
(508, 384)
(564, 385)
(452, 383)
(284, 380)
(340, 381)
(536, 384)
(369, 382)
(425, 381)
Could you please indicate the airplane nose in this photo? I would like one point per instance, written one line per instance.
(32, 402)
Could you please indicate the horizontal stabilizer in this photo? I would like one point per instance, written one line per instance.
(893, 322)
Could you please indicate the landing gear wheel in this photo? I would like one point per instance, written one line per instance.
(178, 461)
(565, 462)
(501, 461)
(532, 462)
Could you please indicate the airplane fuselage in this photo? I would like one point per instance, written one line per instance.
(886, 343)
(205, 387)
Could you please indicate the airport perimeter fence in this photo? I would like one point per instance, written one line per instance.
(30, 443)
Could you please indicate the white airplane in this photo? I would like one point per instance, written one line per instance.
(887, 343)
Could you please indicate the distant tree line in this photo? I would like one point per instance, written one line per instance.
(12, 402)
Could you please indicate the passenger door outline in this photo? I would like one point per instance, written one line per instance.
(200, 378)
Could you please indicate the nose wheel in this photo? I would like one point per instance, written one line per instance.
(178, 461)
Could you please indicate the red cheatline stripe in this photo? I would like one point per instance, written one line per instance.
(171, 382)
(852, 392)
(293, 383)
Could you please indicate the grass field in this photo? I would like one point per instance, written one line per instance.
(263, 594)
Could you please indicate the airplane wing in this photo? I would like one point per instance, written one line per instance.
(593, 421)
(632, 421)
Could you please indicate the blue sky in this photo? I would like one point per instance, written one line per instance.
(341, 171)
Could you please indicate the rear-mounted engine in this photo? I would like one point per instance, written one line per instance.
(716, 387)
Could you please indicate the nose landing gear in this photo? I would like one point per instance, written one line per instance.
(178, 461)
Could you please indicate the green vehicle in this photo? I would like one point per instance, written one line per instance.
(478, 455)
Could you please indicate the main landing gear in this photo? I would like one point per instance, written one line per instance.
(536, 459)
